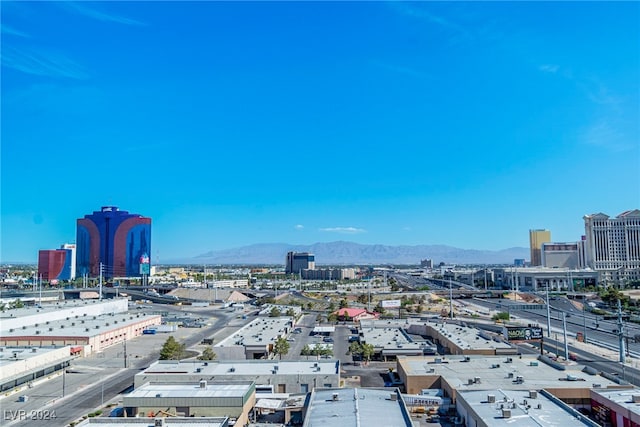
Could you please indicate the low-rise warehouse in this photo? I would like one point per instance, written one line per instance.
(92, 332)
(256, 339)
(20, 365)
(524, 408)
(571, 383)
(279, 376)
(203, 399)
(356, 407)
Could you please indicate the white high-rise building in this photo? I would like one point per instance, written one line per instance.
(71, 247)
(613, 245)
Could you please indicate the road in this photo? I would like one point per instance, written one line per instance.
(95, 380)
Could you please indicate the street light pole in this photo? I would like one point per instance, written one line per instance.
(564, 331)
(548, 315)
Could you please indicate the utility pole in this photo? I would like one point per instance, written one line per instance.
(450, 300)
(564, 331)
(621, 333)
(548, 314)
(100, 284)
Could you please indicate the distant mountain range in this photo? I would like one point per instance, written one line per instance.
(349, 253)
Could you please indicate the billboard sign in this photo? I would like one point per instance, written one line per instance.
(145, 264)
(524, 333)
(391, 303)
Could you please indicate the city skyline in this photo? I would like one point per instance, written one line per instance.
(229, 124)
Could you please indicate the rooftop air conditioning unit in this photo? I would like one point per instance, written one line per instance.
(533, 394)
(394, 397)
(491, 398)
(635, 398)
(334, 396)
(506, 413)
(203, 384)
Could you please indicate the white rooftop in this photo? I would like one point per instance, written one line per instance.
(244, 367)
(523, 408)
(191, 390)
(346, 407)
(260, 332)
(149, 422)
(85, 325)
(501, 372)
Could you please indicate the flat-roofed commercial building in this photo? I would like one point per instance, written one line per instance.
(21, 365)
(563, 255)
(28, 316)
(279, 376)
(93, 333)
(156, 422)
(616, 407)
(203, 399)
(356, 407)
(256, 339)
(524, 408)
(570, 382)
(387, 335)
(541, 278)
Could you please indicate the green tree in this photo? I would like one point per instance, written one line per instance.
(419, 308)
(332, 318)
(275, 312)
(316, 350)
(367, 351)
(379, 308)
(331, 307)
(306, 351)
(503, 315)
(291, 312)
(344, 303)
(310, 306)
(208, 354)
(355, 348)
(281, 347)
(363, 299)
(172, 349)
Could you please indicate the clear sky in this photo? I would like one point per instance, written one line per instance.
(228, 124)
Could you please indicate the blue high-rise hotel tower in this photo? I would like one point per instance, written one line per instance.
(118, 240)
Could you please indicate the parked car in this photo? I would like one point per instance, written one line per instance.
(327, 339)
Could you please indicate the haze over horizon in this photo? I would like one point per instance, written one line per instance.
(392, 123)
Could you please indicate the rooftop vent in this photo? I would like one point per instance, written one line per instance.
(158, 395)
(34, 350)
(476, 380)
(334, 396)
(539, 406)
(203, 384)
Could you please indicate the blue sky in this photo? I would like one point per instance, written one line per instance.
(228, 124)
